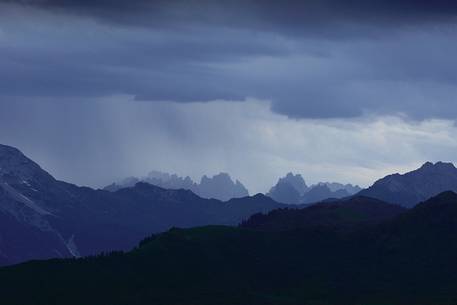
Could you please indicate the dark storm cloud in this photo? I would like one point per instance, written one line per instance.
(311, 59)
(267, 13)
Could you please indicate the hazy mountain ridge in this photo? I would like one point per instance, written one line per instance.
(413, 187)
(220, 186)
(292, 189)
(44, 218)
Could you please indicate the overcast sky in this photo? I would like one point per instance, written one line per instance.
(335, 90)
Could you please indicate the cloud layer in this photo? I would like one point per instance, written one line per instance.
(312, 59)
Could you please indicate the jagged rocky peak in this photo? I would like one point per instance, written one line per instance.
(289, 189)
(221, 186)
(220, 178)
(294, 180)
(292, 189)
(169, 180)
(438, 166)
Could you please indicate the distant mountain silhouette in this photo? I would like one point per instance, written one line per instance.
(411, 188)
(285, 192)
(220, 186)
(292, 189)
(407, 259)
(41, 217)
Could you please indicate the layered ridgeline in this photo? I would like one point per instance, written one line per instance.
(220, 186)
(413, 187)
(406, 258)
(404, 189)
(41, 217)
(292, 189)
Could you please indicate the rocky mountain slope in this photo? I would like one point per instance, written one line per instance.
(413, 187)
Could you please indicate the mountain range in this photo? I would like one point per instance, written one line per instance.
(292, 189)
(220, 186)
(41, 217)
(407, 257)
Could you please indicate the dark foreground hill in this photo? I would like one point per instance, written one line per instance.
(41, 217)
(406, 260)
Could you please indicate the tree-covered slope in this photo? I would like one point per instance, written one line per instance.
(407, 260)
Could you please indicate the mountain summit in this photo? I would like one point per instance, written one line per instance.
(17, 168)
(416, 186)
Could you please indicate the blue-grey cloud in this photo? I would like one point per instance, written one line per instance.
(269, 14)
(311, 59)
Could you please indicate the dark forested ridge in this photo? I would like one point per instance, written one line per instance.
(347, 213)
(408, 259)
